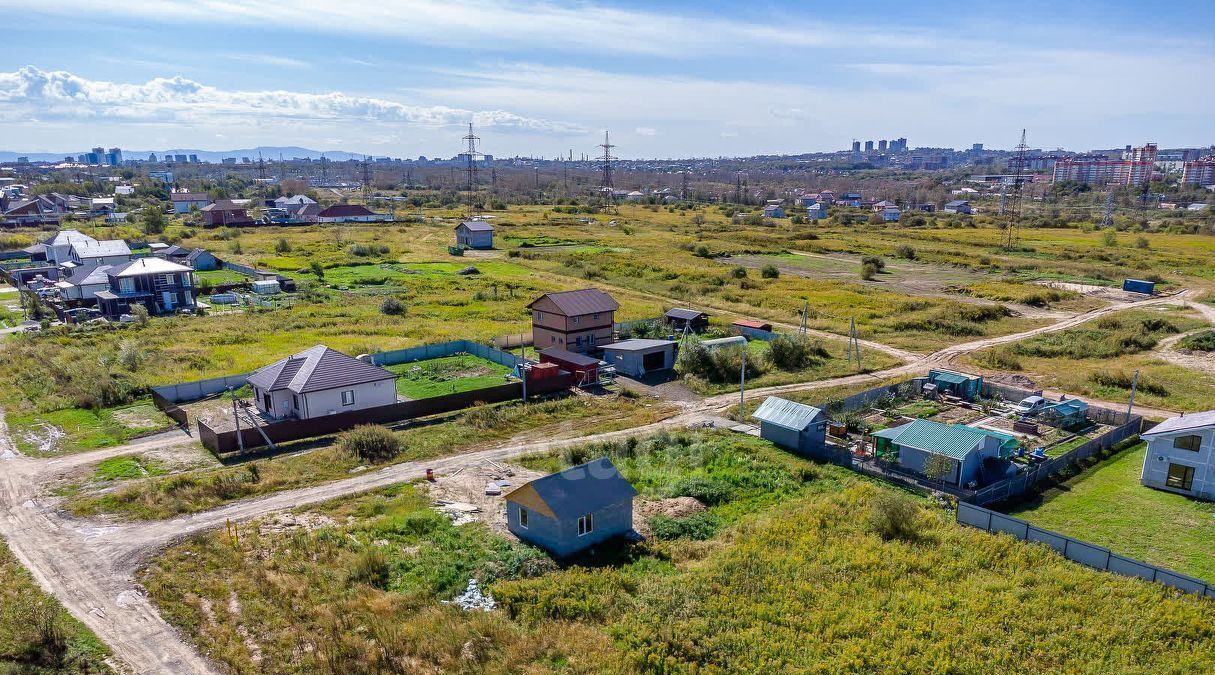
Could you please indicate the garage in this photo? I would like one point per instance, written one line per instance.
(637, 358)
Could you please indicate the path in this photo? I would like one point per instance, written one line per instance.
(89, 565)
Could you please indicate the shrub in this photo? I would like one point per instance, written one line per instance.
(770, 272)
(317, 269)
(704, 489)
(702, 251)
(392, 306)
(1203, 342)
(365, 250)
(868, 271)
(893, 516)
(789, 352)
(371, 568)
(370, 442)
(282, 245)
(738, 272)
(904, 251)
(877, 262)
(1000, 358)
(698, 526)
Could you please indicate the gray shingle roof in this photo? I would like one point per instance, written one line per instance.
(684, 314)
(477, 226)
(98, 249)
(577, 303)
(785, 413)
(317, 369)
(583, 489)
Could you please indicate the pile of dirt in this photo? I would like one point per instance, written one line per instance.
(674, 507)
(1014, 381)
(286, 522)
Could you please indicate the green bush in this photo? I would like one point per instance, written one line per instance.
(392, 306)
(904, 251)
(698, 526)
(770, 272)
(869, 271)
(370, 442)
(1203, 342)
(878, 263)
(706, 490)
(791, 353)
(370, 567)
(893, 516)
(738, 272)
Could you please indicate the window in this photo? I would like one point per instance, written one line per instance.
(539, 316)
(552, 338)
(1191, 443)
(575, 319)
(586, 524)
(522, 517)
(348, 397)
(596, 316)
(295, 401)
(1180, 477)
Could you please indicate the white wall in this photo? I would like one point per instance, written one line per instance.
(369, 395)
(1161, 453)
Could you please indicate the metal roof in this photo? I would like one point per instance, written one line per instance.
(346, 210)
(951, 377)
(787, 414)
(566, 356)
(581, 489)
(638, 345)
(1200, 420)
(317, 369)
(99, 249)
(476, 226)
(147, 265)
(577, 303)
(951, 440)
(190, 197)
(685, 314)
(751, 323)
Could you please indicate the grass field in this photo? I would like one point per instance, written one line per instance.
(76, 429)
(794, 568)
(835, 364)
(1107, 506)
(36, 634)
(221, 276)
(447, 375)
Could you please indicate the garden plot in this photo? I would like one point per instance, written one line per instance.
(78, 429)
(447, 375)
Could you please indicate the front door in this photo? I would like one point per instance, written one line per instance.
(266, 405)
(167, 299)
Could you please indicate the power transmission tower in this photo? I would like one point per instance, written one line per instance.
(738, 187)
(1107, 220)
(1018, 191)
(324, 170)
(261, 166)
(366, 181)
(470, 169)
(854, 344)
(607, 187)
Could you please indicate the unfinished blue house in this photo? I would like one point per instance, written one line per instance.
(976, 456)
(951, 383)
(567, 512)
(795, 426)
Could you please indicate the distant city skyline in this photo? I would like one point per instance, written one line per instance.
(669, 79)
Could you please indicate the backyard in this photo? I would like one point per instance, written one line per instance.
(447, 375)
(1106, 505)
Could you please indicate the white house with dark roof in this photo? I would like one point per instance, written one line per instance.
(320, 381)
(162, 287)
(475, 234)
(103, 252)
(1181, 455)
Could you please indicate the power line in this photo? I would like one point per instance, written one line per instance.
(1018, 191)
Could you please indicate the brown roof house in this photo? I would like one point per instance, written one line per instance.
(577, 321)
(225, 212)
(320, 381)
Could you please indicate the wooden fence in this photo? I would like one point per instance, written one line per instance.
(1080, 551)
(222, 442)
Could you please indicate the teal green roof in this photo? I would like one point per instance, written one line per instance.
(951, 440)
(952, 378)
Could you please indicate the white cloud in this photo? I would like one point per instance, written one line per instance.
(268, 60)
(645, 131)
(61, 95)
(498, 24)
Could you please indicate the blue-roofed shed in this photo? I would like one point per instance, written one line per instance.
(1069, 413)
(964, 386)
(572, 510)
(911, 444)
(795, 426)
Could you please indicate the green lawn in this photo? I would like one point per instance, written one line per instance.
(78, 429)
(1107, 506)
(447, 375)
(216, 277)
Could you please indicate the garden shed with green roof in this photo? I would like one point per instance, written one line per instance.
(911, 445)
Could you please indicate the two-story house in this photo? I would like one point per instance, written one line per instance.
(577, 321)
(159, 285)
(1181, 455)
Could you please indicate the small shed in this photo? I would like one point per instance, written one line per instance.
(791, 425)
(266, 286)
(817, 211)
(475, 234)
(692, 319)
(958, 206)
(1068, 414)
(637, 357)
(967, 448)
(585, 369)
(964, 386)
(750, 327)
(1139, 286)
(774, 211)
(568, 512)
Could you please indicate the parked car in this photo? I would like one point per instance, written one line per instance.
(1030, 406)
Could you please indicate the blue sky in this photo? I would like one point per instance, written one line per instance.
(669, 79)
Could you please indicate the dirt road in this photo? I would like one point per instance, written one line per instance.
(89, 565)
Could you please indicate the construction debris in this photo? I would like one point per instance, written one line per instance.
(459, 512)
(473, 598)
(480, 486)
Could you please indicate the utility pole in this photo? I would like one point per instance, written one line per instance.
(1107, 220)
(854, 344)
(1131, 404)
(742, 388)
